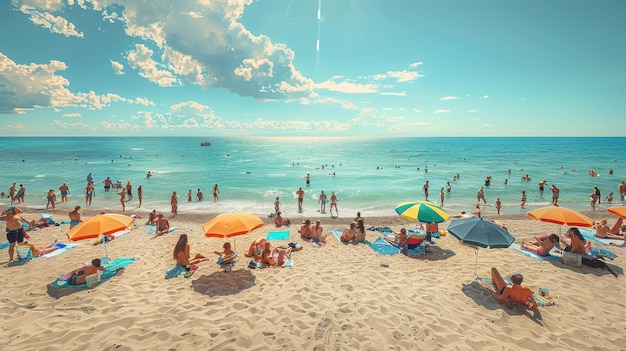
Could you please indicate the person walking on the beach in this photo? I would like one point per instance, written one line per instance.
(523, 199)
(89, 192)
(300, 194)
(129, 190)
(480, 195)
(21, 194)
(277, 205)
(596, 191)
(594, 198)
(122, 197)
(140, 195)
(12, 192)
(216, 193)
(199, 195)
(498, 204)
(14, 228)
(621, 188)
(555, 195)
(442, 195)
(322, 202)
(425, 189)
(174, 203)
(65, 190)
(333, 204)
(52, 198)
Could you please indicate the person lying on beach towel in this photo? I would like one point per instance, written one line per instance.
(606, 232)
(542, 245)
(515, 293)
(39, 252)
(396, 238)
(256, 248)
(162, 226)
(79, 275)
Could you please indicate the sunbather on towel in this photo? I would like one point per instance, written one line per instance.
(227, 256)
(79, 275)
(256, 248)
(515, 293)
(274, 258)
(396, 238)
(39, 252)
(574, 242)
(541, 246)
(163, 226)
(181, 253)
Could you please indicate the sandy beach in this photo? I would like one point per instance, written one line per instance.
(337, 297)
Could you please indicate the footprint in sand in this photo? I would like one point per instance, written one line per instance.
(322, 328)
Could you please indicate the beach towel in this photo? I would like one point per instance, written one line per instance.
(110, 270)
(175, 271)
(553, 257)
(590, 236)
(383, 229)
(4, 245)
(152, 229)
(541, 301)
(338, 233)
(382, 247)
(277, 235)
(62, 248)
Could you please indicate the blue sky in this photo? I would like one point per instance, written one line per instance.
(243, 67)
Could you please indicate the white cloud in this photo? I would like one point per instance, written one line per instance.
(141, 59)
(441, 110)
(73, 125)
(471, 111)
(347, 87)
(402, 93)
(417, 110)
(144, 101)
(415, 64)
(72, 115)
(15, 126)
(55, 24)
(445, 98)
(401, 76)
(118, 68)
(488, 125)
(485, 96)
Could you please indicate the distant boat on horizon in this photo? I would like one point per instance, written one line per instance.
(205, 143)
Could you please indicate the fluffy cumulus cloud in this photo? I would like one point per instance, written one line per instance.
(141, 59)
(24, 87)
(118, 68)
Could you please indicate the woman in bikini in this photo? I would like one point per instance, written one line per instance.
(274, 258)
(181, 253)
(541, 246)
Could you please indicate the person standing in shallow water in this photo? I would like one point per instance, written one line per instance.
(216, 193)
(174, 203)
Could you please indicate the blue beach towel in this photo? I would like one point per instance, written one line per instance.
(383, 247)
(109, 271)
(62, 248)
(278, 235)
(152, 230)
(538, 257)
(175, 271)
(4, 245)
(338, 233)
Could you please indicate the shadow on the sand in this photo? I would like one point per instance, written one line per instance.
(57, 292)
(483, 297)
(224, 283)
(590, 270)
(435, 253)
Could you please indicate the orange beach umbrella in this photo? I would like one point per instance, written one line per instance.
(102, 224)
(562, 216)
(619, 211)
(228, 225)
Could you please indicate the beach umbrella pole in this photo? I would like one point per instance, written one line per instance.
(476, 264)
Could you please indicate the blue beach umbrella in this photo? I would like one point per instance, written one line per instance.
(480, 233)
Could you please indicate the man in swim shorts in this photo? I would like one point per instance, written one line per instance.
(541, 246)
(322, 202)
(515, 293)
(15, 230)
(129, 190)
(300, 194)
(65, 190)
(555, 195)
(79, 275)
(333, 203)
(107, 184)
(74, 217)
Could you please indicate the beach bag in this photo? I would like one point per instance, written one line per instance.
(571, 259)
(593, 262)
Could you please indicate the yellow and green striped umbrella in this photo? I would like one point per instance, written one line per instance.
(420, 211)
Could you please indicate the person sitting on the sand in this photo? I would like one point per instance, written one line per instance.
(227, 256)
(574, 242)
(305, 231)
(353, 234)
(541, 246)
(256, 248)
(274, 258)
(181, 254)
(162, 226)
(316, 233)
(39, 252)
(396, 238)
(153, 217)
(74, 217)
(623, 236)
(279, 221)
(515, 293)
(79, 275)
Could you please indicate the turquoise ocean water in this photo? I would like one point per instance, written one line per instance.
(371, 175)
